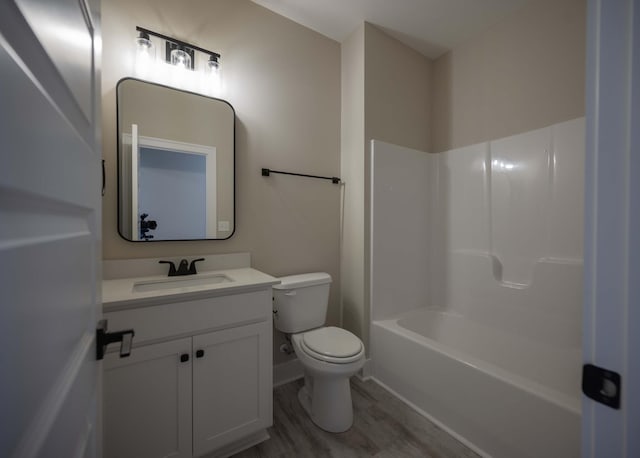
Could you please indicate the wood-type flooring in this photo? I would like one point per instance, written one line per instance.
(384, 427)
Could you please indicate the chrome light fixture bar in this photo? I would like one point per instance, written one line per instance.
(178, 52)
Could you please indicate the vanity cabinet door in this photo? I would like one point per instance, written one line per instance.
(147, 402)
(232, 385)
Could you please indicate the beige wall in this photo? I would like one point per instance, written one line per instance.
(385, 96)
(524, 73)
(352, 169)
(397, 92)
(284, 83)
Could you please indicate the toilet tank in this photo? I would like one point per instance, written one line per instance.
(300, 302)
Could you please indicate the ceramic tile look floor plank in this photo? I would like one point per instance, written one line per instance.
(383, 427)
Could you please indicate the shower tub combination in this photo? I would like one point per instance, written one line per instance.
(476, 297)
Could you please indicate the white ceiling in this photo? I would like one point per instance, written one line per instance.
(428, 26)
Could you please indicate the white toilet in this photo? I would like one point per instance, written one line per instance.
(329, 355)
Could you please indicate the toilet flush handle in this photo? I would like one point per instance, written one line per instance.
(290, 293)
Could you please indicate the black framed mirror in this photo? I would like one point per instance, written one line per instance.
(176, 164)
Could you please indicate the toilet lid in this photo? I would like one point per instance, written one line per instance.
(332, 342)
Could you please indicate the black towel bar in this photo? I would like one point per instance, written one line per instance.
(267, 172)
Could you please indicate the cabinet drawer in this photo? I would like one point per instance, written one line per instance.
(161, 322)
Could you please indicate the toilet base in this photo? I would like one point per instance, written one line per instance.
(327, 401)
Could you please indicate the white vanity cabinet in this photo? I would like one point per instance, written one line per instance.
(147, 402)
(198, 381)
(232, 390)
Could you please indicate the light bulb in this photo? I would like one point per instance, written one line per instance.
(144, 42)
(213, 75)
(180, 58)
(213, 66)
(145, 54)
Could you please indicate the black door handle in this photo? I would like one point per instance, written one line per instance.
(199, 353)
(184, 357)
(104, 338)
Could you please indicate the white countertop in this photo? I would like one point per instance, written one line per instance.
(119, 294)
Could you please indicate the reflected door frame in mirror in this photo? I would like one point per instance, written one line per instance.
(176, 164)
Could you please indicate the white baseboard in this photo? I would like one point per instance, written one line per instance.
(287, 372)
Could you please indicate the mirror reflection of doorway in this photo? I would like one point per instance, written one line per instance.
(172, 191)
(173, 184)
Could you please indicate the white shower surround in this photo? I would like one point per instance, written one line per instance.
(476, 287)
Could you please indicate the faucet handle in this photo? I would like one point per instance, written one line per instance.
(192, 267)
(183, 267)
(172, 267)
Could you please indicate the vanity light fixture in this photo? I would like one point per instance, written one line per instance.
(213, 66)
(144, 42)
(181, 58)
(177, 52)
(145, 51)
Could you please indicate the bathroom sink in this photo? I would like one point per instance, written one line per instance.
(180, 282)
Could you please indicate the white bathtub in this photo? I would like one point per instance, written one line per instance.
(498, 392)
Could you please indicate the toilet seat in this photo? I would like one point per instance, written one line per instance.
(332, 345)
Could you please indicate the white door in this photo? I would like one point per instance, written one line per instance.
(612, 225)
(50, 221)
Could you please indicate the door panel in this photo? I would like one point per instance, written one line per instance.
(75, 436)
(50, 250)
(61, 26)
